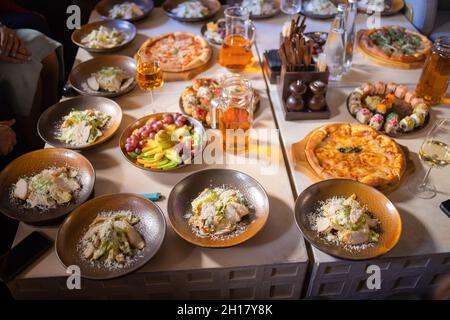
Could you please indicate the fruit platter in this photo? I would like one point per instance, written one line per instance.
(163, 141)
(389, 108)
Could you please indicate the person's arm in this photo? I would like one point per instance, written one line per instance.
(7, 137)
(11, 47)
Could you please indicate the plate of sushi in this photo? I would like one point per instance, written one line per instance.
(388, 107)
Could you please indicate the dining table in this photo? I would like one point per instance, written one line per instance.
(276, 263)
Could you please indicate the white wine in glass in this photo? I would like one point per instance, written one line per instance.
(149, 74)
(435, 153)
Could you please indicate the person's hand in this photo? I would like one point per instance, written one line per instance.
(7, 137)
(12, 48)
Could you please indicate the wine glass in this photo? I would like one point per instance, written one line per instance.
(149, 73)
(435, 153)
(291, 7)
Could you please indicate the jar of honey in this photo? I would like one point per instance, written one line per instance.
(433, 82)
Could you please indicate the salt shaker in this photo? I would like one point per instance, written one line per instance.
(317, 102)
(295, 100)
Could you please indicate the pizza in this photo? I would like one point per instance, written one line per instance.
(178, 51)
(395, 43)
(355, 151)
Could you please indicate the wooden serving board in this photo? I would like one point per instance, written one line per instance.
(386, 62)
(186, 74)
(301, 164)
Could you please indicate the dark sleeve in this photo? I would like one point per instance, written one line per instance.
(9, 6)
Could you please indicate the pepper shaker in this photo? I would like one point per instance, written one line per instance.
(295, 100)
(317, 102)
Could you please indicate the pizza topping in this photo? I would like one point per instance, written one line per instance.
(350, 150)
(395, 41)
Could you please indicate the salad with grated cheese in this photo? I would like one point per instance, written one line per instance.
(103, 37)
(48, 188)
(320, 7)
(258, 7)
(217, 211)
(126, 10)
(345, 221)
(83, 127)
(191, 9)
(111, 237)
(373, 5)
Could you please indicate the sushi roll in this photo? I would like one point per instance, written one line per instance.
(390, 87)
(391, 125)
(392, 115)
(421, 108)
(418, 118)
(382, 108)
(354, 107)
(379, 87)
(355, 97)
(400, 91)
(407, 124)
(367, 88)
(409, 96)
(359, 90)
(376, 122)
(390, 98)
(363, 115)
(415, 101)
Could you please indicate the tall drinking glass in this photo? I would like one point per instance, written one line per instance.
(435, 153)
(291, 7)
(149, 73)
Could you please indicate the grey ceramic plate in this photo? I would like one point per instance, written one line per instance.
(152, 227)
(104, 6)
(34, 162)
(50, 120)
(121, 25)
(80, 73)
(395, 7)
(179, 204)
(377, 203)
(213, 5)
(317, 16)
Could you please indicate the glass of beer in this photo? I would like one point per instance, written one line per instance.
(433, 82)
(149, 73)
(435, 153)
(234, 111)
(236, 51)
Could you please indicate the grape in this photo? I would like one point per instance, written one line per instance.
(148, 127)
(179, 124)
(144, 134)
(141, 144)
(141, 129)
(151, 121)
(133, 142)
(138, 136)
(128, 140)
(167, 118)
(128, 147)
(138, 150)
(157, 125)
(182, 119)
(176, 115)
(152, 134)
